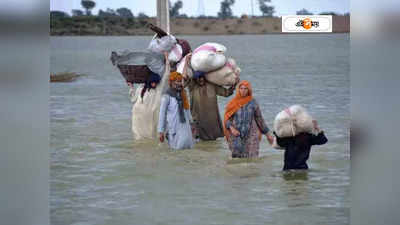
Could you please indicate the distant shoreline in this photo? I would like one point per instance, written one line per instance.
(94, 26)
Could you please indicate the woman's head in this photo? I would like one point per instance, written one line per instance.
(153, 84)
(244, 89)
(153, 80)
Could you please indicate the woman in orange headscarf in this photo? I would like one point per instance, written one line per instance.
(243, 123)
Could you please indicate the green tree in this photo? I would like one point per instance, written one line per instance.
(77, 12)
(329, 13)
(304, 12)
(174, 10)
(142, 15)
(58, 14)
(225, 10)
(88, 5)
(265, 9)
(108, 13)
(125, 13)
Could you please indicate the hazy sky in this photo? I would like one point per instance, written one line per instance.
(211, 7)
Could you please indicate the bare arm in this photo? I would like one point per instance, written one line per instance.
(226, 92)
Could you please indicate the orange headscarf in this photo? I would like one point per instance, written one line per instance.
(175, 76)
(236, 103)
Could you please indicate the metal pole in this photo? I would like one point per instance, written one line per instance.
(252, 9)
(163, 15)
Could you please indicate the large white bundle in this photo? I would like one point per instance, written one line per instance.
(218, 47)
(160, 45)
(181, 64)
(145, 111)
(208, 57)
(228, 75)
(175, 54)
(293, 121)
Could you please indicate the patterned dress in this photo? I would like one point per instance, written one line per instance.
(249, 122)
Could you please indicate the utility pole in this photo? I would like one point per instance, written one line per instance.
(252, 8)
(163, 15)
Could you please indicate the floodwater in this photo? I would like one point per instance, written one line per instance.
(99, 175)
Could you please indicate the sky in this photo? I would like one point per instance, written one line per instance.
(211, 7)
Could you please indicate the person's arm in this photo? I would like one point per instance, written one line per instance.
(260, 120)
(133, 94)
(319, 139)
(162, 117)
(262, 125)
(231, 128)
(186, 80)
(225, 92)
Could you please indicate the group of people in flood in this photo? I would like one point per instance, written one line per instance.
(182, 119)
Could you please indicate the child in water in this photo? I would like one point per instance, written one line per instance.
(297, 148)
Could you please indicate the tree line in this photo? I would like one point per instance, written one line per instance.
(267, 10)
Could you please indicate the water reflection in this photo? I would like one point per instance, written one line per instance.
(293, 175)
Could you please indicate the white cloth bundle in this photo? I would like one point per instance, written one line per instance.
(175, 54)
(208, 57)
(164, 44)
(228, 75)
(292, 121)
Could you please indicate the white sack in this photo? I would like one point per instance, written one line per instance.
(160, 45)
(208, 57)
(293, 121)
(228, 75)
(219, 48)
(175, 54)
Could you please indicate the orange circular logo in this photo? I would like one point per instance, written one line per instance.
(307, 23)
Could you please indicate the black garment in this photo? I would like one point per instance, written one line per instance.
(297, 148)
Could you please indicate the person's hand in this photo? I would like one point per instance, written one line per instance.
(237, 80)
(188, 58)
(161, 137)
(315, 124)
(270, 138)
(166, 54)
(235, 132)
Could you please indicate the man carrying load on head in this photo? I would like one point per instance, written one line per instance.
(204, 104)
(174, 118)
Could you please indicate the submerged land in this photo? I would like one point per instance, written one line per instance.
(117, 26)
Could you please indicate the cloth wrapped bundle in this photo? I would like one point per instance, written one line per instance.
(292, 121)
(208, 57)
(176, 53)
(164, 44)
(228, 75)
